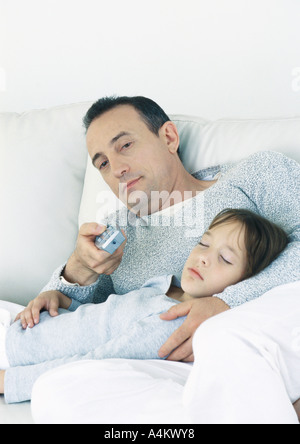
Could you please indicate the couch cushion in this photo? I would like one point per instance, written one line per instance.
(42, 166)
(203, 144)
(231, 140)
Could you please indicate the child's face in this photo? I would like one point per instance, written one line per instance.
(217, 262)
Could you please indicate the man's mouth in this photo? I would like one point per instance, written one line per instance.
(195, 273)
(132, 183)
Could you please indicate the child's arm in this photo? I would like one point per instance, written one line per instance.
(142, 341)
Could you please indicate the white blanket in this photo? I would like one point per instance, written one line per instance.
(13, 309)
(129, 391)
(8, 313)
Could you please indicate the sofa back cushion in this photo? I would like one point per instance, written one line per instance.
(42, 168)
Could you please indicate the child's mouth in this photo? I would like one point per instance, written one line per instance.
(195, 273)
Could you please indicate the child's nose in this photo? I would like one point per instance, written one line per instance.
(204, 259)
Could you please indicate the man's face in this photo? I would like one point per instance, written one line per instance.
(129, 156)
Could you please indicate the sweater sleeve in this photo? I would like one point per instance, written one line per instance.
(95, 293)
(272, 182)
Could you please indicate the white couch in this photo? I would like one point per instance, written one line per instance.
(48, 188)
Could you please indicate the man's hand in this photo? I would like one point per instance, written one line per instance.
(88, 262)
(179, 345)
(50, 301)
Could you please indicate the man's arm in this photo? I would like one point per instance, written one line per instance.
(96, 292)
(86, 278)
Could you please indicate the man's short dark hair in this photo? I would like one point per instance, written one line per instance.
(151, 113)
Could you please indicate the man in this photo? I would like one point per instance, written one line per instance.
(135, 146)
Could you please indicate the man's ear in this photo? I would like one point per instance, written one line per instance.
(170, 135)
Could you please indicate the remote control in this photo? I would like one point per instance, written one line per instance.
(110, 240)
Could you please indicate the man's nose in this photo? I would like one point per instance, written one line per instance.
(119, 167)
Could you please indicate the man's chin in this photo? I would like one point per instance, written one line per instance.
(136, 201)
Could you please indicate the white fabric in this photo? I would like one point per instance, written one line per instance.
(113, 391)
(8, 313)
(247, 367)
(5, 322)
(246, 371)
(18, 413)
(13, 309)
(202, 144)
(5, 318)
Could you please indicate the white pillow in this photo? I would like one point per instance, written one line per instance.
(203, 144)
(42, 166)
(232, 140)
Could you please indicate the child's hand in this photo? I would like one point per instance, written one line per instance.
(179, 346)
(50, 301)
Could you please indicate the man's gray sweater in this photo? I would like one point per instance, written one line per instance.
(267, 183)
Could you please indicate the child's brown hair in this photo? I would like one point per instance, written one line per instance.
(264, 240)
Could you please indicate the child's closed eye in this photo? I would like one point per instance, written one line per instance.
(227, 262)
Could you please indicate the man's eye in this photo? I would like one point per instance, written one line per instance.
(103, 164)
(127, 145)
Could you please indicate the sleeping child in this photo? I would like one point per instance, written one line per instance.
(237, 245)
